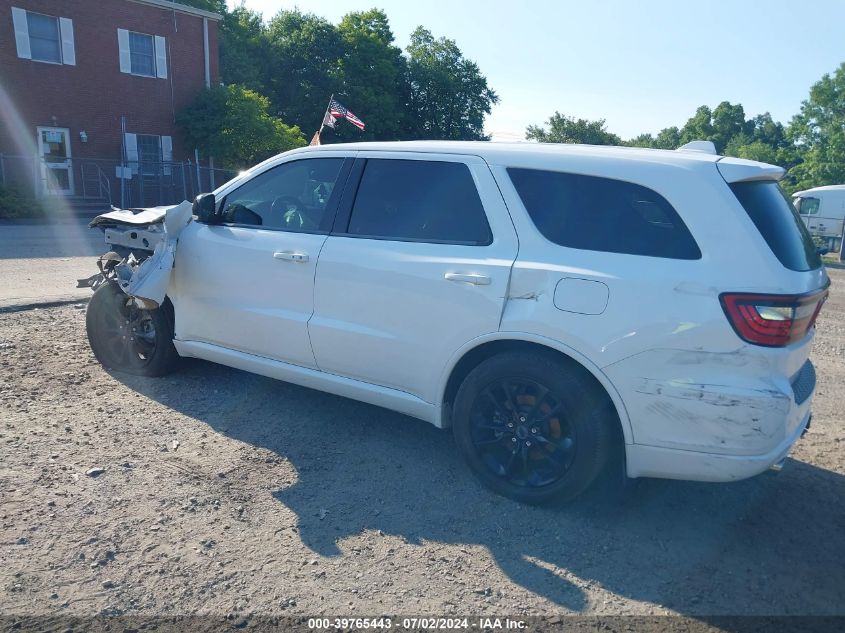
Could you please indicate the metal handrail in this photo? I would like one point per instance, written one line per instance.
(104, 184)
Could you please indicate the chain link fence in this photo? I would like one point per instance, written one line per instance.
(118, 183)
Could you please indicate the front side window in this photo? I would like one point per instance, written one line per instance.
(807, 206)
(296, 196)
(44, 40)
(421, 201)
(142, 54)
(602, 214)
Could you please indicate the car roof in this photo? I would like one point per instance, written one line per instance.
(496, 152)
(819, 190)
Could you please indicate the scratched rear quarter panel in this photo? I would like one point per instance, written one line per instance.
(686, 379)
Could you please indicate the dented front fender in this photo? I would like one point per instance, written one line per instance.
(147, 279)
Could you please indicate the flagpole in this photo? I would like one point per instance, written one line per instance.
(328, 107)
(316, 136)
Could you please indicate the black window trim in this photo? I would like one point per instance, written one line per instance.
(331, 208)
(603, 252)
(344, 216)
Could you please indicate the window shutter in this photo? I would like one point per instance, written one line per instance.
(166, 154)
(131, 142)
(21, 33)
(68, 51)
(123, 47)
(161, 57)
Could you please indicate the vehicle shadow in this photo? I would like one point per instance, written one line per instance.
(774, 544)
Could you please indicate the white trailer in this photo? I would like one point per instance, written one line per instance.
(823, 209)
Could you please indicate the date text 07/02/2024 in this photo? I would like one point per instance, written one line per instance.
(445, 624)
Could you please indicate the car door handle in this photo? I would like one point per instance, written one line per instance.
(290, 256)
(476, 280)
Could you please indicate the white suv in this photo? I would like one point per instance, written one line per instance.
(560, 307)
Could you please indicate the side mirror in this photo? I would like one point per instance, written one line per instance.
(205, 208)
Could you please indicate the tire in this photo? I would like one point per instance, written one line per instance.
(145, 351)
(553, 446)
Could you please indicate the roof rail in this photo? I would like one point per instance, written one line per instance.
(704, 147)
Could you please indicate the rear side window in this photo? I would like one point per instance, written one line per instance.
(419, 201)
(602, 214)
(779, 223)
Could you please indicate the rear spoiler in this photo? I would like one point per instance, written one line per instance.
(741, 170)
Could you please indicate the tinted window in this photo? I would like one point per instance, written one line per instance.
(600, 214)
(44, 38)
(778, 223)
(294, 196)
(417, 200)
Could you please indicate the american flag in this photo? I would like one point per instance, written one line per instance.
(335, 109)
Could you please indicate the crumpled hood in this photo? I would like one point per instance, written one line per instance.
(131, 217)
(150, 279)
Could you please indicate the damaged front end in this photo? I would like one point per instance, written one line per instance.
(143, 243)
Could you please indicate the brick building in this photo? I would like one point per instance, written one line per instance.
(89, 91)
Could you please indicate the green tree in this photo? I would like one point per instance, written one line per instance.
(565, 129)
(642, 140)
(244, 49)
(448, 96)
(818, 132)
(728, 122)
(766, 130)
(305, 69)
(668, 138)
(373, 69)
(699, 127)
(233, 124)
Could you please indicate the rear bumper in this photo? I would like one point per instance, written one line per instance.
(668, 463)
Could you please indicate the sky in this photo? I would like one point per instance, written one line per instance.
(641, 65)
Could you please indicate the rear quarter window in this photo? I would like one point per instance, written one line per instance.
(603, 214)
(778, 222)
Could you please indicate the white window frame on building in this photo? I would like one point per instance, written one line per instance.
(127, 43)
(24, 21)
(142, 164)
(54, 164)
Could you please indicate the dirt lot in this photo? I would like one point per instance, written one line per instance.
(229, 493)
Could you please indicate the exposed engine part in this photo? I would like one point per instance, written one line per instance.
(144, 239)
(144, 242)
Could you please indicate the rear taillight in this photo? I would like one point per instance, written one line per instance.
(772, 320)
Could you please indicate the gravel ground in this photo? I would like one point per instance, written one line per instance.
(221, 492)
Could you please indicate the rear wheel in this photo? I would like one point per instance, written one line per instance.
(127, 338)
(532, 428)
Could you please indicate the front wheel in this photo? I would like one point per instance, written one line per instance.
(127, 338)
(533, 428)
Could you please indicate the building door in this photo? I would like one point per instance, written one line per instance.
(56, 165)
